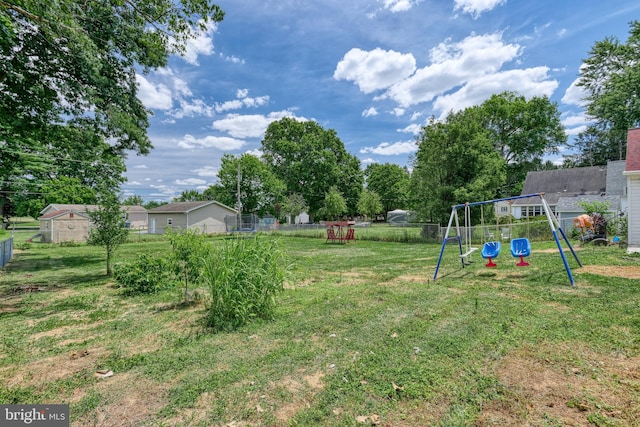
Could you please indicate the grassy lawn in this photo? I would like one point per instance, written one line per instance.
(362, 336)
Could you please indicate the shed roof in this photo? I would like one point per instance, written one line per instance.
(55, 214)
(186, 207)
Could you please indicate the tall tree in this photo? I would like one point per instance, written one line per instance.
(189, 196)
(68, 92)
(369, 204)
(59, 190)
(456, 162)
(134, 200)
(610, 76)
(260, 189)
(522, 131)
(310, 160)
(334, 204)
(391, 182)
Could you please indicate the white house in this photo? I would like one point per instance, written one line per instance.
(632, 172)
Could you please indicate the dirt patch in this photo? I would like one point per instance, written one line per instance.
(56, 367)
(303, 388)
(626, 272)
(567, 388)
(132, 401)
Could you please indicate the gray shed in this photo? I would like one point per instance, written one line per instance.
(205, 216)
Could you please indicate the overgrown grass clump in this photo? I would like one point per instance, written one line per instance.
(243, 276)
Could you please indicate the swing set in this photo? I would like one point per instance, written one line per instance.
(520, 247)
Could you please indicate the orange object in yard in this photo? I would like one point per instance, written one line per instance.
(583, 222)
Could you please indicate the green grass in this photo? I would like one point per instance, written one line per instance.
(361, 335)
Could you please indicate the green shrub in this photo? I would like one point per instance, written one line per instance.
(244, 276)
(189, 251)
(147, 274)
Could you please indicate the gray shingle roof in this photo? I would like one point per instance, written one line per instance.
(186, 207)
(571, 204)
(564, 182)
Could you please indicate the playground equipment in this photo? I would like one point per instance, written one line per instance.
(523, 249)
(490, 251)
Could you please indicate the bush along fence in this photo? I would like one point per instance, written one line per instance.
(6, 251)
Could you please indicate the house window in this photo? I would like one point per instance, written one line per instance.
(534, 211)
(504, 209)
(70, 214)
(169, 221)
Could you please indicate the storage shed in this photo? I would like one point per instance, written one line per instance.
(65, 225)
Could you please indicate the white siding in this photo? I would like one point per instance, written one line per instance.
(633, 185)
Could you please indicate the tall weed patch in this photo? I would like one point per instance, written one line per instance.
(244, 276)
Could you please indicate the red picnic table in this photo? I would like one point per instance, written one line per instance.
(340, 231)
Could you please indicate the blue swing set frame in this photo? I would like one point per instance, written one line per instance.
(519, 248)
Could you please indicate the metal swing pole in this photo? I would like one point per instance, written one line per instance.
(552, 223)
(446, 238)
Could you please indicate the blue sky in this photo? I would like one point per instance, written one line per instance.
(373, 70)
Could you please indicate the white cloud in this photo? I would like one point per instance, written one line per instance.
(154, 95)
(201, 44)
(367, 161)
(370, 112)
(387, 149)
(476, 7)
(134, 183)
(374, 70)
(398, 112)
(571, 120)
(242, 100)
(256, 152)
(249, 126)
(219, 142)
(528, 82)
(576, 130)
(574, 95)
(453, 64)
(192, 108)
(206, 171)
(190, 181)
(413, 128)
(399, 5)
(141, 167)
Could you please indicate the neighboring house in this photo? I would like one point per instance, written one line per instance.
(503, 208)
(64, 225)
(61, 222)
(564, 189)
(632, 173)
(136, 216)
(558, 183)
(206, 216)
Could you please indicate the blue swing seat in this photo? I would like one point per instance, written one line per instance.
(491, 250)
(521, 248)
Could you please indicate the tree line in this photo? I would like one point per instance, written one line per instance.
(70, 114)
